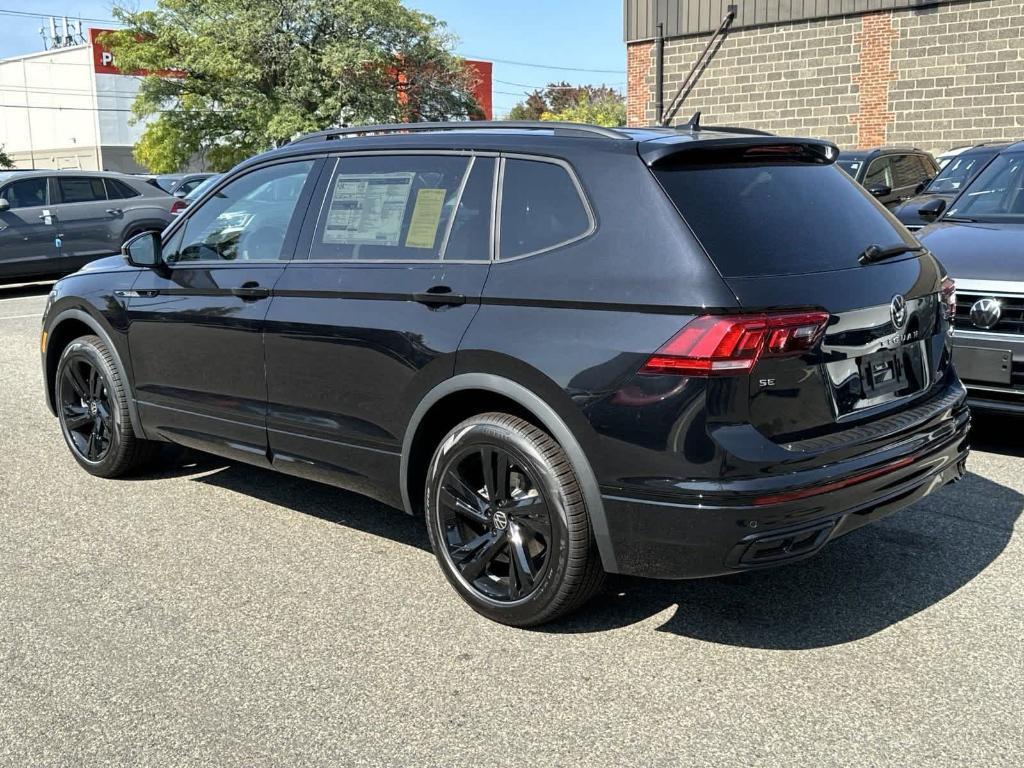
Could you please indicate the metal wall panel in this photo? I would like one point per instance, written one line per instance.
(693, 17)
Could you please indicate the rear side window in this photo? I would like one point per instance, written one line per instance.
(390, 208)
(80, 189)
(26, 194)
(541, 208)
(777, 218)
(118, 190)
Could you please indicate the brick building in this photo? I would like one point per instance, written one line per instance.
(929, 73)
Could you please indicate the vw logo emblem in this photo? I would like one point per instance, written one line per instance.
(500, 520)
(898, 311)
(985, 313)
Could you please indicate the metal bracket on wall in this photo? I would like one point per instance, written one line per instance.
(698, 68)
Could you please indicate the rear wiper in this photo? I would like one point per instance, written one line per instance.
(874, 253)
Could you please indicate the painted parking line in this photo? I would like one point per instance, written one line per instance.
(18, 317)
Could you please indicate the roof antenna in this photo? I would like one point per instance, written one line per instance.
(693, 124)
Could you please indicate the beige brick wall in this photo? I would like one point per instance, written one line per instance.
(959, 75)
(935, 77)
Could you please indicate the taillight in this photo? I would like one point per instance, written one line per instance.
(178, 206)
(949, 298)
(719, 345)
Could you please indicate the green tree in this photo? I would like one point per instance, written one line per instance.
(597, 104)
(5, 161)
(230, 78)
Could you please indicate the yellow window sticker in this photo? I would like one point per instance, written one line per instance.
(426, 217)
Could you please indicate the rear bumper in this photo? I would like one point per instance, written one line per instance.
(692, 538)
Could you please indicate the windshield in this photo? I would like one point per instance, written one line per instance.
(958, 171)
(778, 218)
(850, 166)
(996, 194)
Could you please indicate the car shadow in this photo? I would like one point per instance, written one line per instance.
(314, 499)
(996, 433)
(19, 290)
(859, 585)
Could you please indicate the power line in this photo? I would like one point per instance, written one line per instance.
(43, 15)
(542, 66)
(552, 87)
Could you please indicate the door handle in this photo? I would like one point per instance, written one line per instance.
(439, 296)
(115, 212)
(250, 291)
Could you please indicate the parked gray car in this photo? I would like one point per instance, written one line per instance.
(52, 222)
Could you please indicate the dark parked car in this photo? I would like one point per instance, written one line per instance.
(181, 202)
(891, 175)
(572, 349)
(53, 222)
(980, 239)
(177, 184)
(947, 185)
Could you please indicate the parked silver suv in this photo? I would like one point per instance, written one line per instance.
(52, 222)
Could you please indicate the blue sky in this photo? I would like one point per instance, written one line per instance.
(584, 34)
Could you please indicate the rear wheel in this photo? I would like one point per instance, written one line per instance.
(507, 521)
(92, 405)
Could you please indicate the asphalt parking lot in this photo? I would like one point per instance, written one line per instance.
(216, 614)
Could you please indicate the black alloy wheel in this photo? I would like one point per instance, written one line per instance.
(496, 525)
(85, 409)
(92, 405)
(508, 523)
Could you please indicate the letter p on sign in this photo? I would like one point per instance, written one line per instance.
(106, 58)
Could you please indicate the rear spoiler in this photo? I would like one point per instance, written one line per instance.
(737, 149)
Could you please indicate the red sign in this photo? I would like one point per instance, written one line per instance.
(103, 62)
(102, 59)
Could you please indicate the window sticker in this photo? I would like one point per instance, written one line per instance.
(368, 209)
(426, 217)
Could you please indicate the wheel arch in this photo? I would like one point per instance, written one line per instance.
(65, 327)
(526, 404)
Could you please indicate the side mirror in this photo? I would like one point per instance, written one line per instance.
(880, 190)
(4, 205)
(180, 194)
(931, 210)
(144, 250)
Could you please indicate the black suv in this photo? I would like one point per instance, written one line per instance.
(940, 191)
(892, 175)
(575, 350)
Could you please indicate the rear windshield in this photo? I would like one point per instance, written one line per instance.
(778, 218)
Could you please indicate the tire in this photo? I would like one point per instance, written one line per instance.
(514, 542)
(92, 407)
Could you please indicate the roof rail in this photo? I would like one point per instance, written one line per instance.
(558, 128)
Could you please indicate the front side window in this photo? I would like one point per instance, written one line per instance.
(996, 194)
(26, 194)
(81, 189)
(879, 174)
(957, 172)
(403, 208)
(540, 208)
(246, 220)
(908, 171)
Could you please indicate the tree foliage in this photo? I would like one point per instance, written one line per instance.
(595, 104)
(230, 78)
(5, 161)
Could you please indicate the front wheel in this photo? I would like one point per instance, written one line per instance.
(507, 521)
(92, 405)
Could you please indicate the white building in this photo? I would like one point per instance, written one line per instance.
(68, 108)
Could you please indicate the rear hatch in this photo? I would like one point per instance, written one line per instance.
(785, 228)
